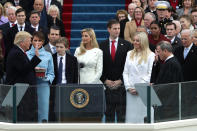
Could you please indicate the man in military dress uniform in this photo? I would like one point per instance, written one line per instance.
(162, 10)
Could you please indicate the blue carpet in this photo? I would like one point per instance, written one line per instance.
(92, 14)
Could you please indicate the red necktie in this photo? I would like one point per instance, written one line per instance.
(113, 50)
(13, 24)
(25, 53)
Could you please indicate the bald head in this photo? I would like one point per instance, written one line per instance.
(38, 5)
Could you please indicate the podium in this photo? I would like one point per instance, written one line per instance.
(79, 103)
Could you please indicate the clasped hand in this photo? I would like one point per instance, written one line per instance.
(113, 84)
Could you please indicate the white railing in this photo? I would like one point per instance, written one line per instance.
(182, 125)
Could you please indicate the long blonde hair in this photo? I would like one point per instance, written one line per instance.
(144, 51)
(94, 43)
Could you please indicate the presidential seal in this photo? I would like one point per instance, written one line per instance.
(79, 98)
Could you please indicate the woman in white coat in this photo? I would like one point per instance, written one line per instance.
(138, 67)
(90, 58)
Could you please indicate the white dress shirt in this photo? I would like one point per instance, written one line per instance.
(19, 27)
(35, 27)
(12, 23)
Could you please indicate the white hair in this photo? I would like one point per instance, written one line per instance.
(11, 8)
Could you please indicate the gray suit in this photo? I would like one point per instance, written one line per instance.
(47, 48)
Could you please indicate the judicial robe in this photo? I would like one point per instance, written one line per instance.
(168, 72)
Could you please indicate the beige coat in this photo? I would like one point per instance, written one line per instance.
(130, 30)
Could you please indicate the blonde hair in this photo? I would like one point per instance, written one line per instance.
(55, 8)
(144, 51)
(6, 5)
(21, 36)
(2, 10)
(94, 43)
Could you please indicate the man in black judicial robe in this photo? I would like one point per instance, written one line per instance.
(167, 71)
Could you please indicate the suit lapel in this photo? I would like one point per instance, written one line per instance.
(25, 56)
(118, 50)
(191, 51)
(48, 48)
(107, 50)
(55, 64)
(68, 70)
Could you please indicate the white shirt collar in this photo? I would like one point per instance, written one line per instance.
(35, 27)
(51, 46)
(59, 56)
(12, 23)
(169, 57)
(115, 39)
(129, 17)
(172, 40)
(19, 26)
(20, 48)
(189, 47)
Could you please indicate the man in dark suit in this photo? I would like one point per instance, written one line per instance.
(67, 73)
(171, 35)
(20, 26)
(54, 34)
(34, 21)
(5, 27)
(187, 55)
(19, 69)
(44, 18)
(114, 55)
(167, 72)
(11, 20)
(27, 5)
(70, 64)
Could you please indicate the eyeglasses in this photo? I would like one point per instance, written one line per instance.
(121, 16)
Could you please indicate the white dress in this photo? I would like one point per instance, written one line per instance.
(93, 65)
(136, 73)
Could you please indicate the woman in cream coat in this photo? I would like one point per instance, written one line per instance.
(138, 67)
(131, 26)
(90, 58)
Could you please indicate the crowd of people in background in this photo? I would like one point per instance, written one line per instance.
(153, 42)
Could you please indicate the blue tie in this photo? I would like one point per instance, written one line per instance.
(60, 71)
